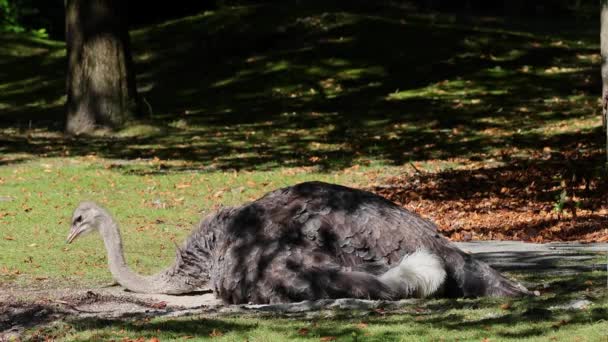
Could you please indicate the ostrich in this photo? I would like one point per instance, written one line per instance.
(309, 241)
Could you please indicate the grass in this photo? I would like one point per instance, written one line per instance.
(536, 319)
(38, 198)
(248, 99)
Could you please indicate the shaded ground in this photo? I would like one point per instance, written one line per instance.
(559, 271)
(309, 84)
(553, 198)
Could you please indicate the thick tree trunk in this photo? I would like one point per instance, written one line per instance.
(604, 52)
(101, 90)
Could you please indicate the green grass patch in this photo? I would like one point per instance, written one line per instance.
(155, 206)
(432, 320)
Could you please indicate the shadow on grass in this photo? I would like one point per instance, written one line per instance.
(535, 316)
(517, 318)
(323, 85)
(178, 328)
(525, 317)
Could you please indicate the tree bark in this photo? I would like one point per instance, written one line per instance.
(604, 52)
(101, 91)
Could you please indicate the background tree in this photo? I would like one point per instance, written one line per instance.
(101, 90)
(604, 52)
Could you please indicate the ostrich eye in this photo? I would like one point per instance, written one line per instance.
(78, 220)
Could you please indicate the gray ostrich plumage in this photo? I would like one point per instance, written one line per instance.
(309, 241)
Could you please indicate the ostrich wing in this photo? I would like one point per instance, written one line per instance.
(356, 226)
(361, 230)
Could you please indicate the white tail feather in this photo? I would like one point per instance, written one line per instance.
(419, 274)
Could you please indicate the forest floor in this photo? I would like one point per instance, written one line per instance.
(513, 202)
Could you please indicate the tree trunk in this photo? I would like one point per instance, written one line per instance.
(101, 90)
(604, 52)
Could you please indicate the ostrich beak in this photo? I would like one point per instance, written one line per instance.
(73, 234)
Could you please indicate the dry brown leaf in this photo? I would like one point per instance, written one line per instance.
(328, 338)
(216, 333)
(560, 323)
(159, 305)
(303, 331)
(362, 325)
(380, 311)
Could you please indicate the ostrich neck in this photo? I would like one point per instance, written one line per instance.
(158, 283)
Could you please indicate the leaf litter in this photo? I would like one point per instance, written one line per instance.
(558, 199)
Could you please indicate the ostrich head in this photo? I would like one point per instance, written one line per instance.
(87, 218)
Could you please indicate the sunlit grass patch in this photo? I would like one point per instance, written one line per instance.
(571, 125)
(39, 196)
(459, 89)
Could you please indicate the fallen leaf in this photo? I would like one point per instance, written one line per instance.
(303, 331)
(362, 325)
(154, 339)
(560, 323)
(328, 338)
(9, 238)
(216, 333)
(159, 305)
(505, 306)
